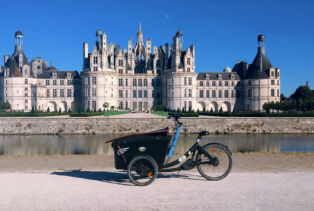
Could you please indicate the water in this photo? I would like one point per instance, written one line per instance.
(79, 144)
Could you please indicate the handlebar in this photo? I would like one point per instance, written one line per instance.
(175, 117)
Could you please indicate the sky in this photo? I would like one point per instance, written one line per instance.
(223, 31)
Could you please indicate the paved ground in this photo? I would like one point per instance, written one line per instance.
(258, 181)
(110, 190)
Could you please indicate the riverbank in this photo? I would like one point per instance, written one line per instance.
(258, 181)
(131, 123)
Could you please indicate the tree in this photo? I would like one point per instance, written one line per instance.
(105, 105)
(59, 110)
(266, 107)
(5, 105)
(69, 110)
(48, 109)
(112, 107)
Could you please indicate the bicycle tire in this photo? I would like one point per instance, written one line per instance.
(142, 167)
(215, 150)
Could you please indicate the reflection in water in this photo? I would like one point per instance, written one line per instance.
(77, 144)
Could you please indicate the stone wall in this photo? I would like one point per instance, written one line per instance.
(64, 126)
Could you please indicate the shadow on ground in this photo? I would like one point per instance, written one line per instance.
(120, 178)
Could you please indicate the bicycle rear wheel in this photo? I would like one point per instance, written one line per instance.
(142, 170)
(217, 168)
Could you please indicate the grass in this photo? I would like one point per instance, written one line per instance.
(111, 113)
(160, 113)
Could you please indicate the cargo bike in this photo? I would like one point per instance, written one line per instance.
(143, 155)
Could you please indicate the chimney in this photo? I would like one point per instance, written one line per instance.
(308, 84)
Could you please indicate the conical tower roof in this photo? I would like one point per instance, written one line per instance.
(260, 65)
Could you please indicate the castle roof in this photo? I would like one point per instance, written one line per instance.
(215, 76)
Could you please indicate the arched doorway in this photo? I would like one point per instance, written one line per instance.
(52, 106)
(200, 106)
(225, 106)
(213, 106)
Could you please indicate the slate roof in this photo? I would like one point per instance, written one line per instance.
(215, 76)
(260, 66)
(60, 74)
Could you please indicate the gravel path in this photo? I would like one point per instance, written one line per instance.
(110, 190)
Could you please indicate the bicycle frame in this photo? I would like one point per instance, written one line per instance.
(192, 150)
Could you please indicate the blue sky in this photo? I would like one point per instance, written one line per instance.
(222, 31)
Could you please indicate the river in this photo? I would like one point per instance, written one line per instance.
(94, 144)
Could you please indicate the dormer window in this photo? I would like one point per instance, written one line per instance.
(188, 61)
(219, 76)
(120, 62)
(95, 60)
(207, 76)
(232, 76)
(69, 75)
(54, 75)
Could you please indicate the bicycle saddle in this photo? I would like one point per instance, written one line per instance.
(202, 133)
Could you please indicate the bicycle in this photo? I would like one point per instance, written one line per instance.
(143, 155)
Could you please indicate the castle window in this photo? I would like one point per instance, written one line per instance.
(126, 82)
(226, 83)
(126, 105)
(54, 93)
(145, 82)
(190, 105)
(62, 82)
(93, 92)
(94, 80)
(207, 76)
(47, 93)
(278, 74)
(145, 105)
(95, 60)
(207, 93)
(26, 94)
(54, 82)
(145, 94)
(134, 93)
(120, 62)
(272, 73)
(272, 82)
(190, 92)
(139, 93)
(134, 82)
(201, 83)
(232, 93)
(139, 82)
(278, 82)
(121, 93)
(226, 93)
(188, 61)
(232, 76)
(121, 105)
(126, 93)
(26, 81)
(26, 89)
(207, 83)
(94, 105)
(95, 69)
(220, 83)
(61, 92)
(134, 105)
(47, 82)
(184, 80)
(120, 71)
(219, 76)
(249, 93)
(219, 93)
(68, 75)
(190, 81)
(69, 82)
(201, 93)
(120, 82)
(188, 70)
(277, 92)
(213, 83)
(69, 93)
(272, 92)
(185, 92)
(232, 83)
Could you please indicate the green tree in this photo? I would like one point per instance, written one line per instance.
(5, 105)
(105, 105)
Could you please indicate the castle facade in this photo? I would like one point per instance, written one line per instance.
(137, 78)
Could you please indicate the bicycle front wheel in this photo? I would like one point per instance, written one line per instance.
(216, 168)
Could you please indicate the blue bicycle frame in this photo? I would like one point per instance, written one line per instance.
(176, 137)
